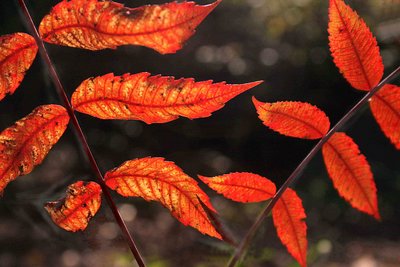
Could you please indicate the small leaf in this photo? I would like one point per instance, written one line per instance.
(163, 181)
(17, 52)
(354, 48)
(95, 25)
(295, 119)
(385, 106)
(74, 212)
(288, 216)
(242, 186)
(25, 144)
(350, 173)
(152, 99)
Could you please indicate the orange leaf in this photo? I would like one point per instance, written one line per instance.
(288, 216)
(25, 144)
(242, 186)
(354, 48)
(152, 99)
(95, 25)
(163, 181)
(17, 52)
(296, 119)
(74, 212)
(350, 173)
(385, 106)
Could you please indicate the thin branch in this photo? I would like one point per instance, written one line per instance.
(81, 136)
(245, 242)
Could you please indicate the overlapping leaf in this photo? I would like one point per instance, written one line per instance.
(296, 119)
(385, 106)
(152, 99)
(288, 216)
(25, 144)
(81, 203)
(242, 186)
(163, 181)
(17, 52)
(354, 48)
(350, 173)
(95, 25)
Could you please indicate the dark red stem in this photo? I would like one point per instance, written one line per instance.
(81, 136)
(245, 242)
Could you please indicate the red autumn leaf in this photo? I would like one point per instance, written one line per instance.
(95, 25)
(17, 52)
(288, 216)
(350, 173)
(385, 106)
(25, 144)
(164, 182)
(152, 99)
(81, 203)
(242, 186)
(296, 119)
(354, 48)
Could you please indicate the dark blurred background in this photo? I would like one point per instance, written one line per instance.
(283, 42)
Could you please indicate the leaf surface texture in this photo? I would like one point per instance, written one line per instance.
(81, 203)
(162, 181)
(354, 49)
(152, 99)
(350, 173)
(25, 144)
(95, 25)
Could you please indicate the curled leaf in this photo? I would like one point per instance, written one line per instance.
(81, 203)
(164, 182)
(350, 173)
(242, 186)
(17, 52)
(295, 119)
(95, 25)
(25, 144)
(152, 99)
(288, 216)
(354, 48)
(385, 106)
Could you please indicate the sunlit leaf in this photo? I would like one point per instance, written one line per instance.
(25, 144)
(385, 106)
(95, 25)
(81, 203)
(152, 99)
(288, 216)
(350, 173)
(242, 186)
(296, 119)
(354, 48)
(164, 182)
(17, 52)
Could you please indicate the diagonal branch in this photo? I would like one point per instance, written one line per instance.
(82, 139)
(245, 242)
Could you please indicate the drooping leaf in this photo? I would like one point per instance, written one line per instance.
(95, 25)
(242, 186)
(17, 52)
(354, 49)
(152, 99)
(288, 216)
(25, 144)
(350, 173)
(385, 106)
(164, 182)
(81, 203)
(296, 119)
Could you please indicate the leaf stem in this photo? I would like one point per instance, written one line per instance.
(82, 139)
(245, 242)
